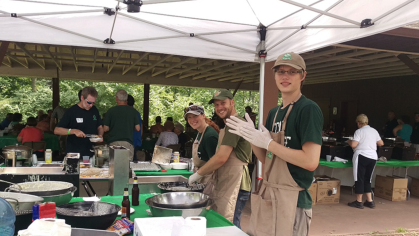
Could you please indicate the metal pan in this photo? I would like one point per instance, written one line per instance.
(89, 215)
(41, 188)
(180, 187)
(20, 201)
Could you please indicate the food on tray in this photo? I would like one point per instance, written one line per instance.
(94, 172)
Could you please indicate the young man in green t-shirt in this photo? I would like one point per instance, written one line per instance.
(233, 182)
(302, 142)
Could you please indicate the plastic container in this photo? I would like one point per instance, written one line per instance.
(7, 218)
(176, 157)
(48, 156)
(34, 160)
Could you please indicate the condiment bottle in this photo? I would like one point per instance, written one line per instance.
(126, 205)
(135, 193)
(176, 157)
(48, 156)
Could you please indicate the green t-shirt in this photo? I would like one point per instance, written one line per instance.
(243, 151)
(304, 124)
(208, 145)
(121, 121)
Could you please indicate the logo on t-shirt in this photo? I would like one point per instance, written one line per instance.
(79, 120)
(94, 117)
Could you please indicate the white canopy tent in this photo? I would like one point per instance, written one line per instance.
(216, 29)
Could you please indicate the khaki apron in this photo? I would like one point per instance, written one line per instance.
(274, 205)
(227, 181)
(198, 163)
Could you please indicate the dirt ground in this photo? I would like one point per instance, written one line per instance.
(388, 218)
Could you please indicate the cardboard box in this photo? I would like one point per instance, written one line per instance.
(414, 187)
(328, 190)
(313, 192)
(390, 188)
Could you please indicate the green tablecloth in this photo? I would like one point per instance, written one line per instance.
(184, 173)
(213, 218)
(51, 139)
(389, 163)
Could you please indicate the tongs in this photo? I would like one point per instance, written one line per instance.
(92, 136)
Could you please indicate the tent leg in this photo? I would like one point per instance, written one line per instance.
(146, 106)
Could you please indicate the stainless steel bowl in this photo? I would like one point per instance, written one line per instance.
(61, 199)
(20, 201)
(18, 151)
(180, 200)
(163, 212)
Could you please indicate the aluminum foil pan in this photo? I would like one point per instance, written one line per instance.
(145, 166)
(181, 187)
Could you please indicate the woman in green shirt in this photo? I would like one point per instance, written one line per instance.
(205, 144)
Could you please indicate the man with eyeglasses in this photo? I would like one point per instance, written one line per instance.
(289, 148)
(232, 182)
(79, 120)
(121, 121)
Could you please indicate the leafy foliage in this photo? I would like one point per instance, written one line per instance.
(166, 101)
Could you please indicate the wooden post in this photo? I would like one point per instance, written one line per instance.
(146, 105)
(3, 50)
(55, 92)
(270, 95)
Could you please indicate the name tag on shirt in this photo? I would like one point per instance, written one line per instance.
(79, 120)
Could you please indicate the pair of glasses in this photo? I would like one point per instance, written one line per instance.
(289, 72)
(90, 103)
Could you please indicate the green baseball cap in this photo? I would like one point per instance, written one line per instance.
(290, 59)
(222, 94)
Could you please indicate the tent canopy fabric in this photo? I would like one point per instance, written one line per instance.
(216, 29)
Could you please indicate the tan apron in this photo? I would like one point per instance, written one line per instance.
(227, 183)
(274, 205)
(198, 163)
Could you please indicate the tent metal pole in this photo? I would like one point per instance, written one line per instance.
(58, 13)
(309, 22)
(285, 28)
(148, 39)
(331, 26)
(113, 24)
(56, 3)
(194, 18)
(322, 12)
(259, 174)
(319, 15)
(54, 27)
(186, 33)
(314, 3)
(289, 36)
(392, 10)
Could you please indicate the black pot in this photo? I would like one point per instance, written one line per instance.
(22, 221)
(101, 218)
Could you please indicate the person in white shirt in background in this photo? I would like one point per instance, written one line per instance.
(364, 159)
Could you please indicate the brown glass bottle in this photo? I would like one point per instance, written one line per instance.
(135, 193)
(126, 205)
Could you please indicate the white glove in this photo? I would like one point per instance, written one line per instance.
(236, 124)
(194, 178)
(260, 138)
